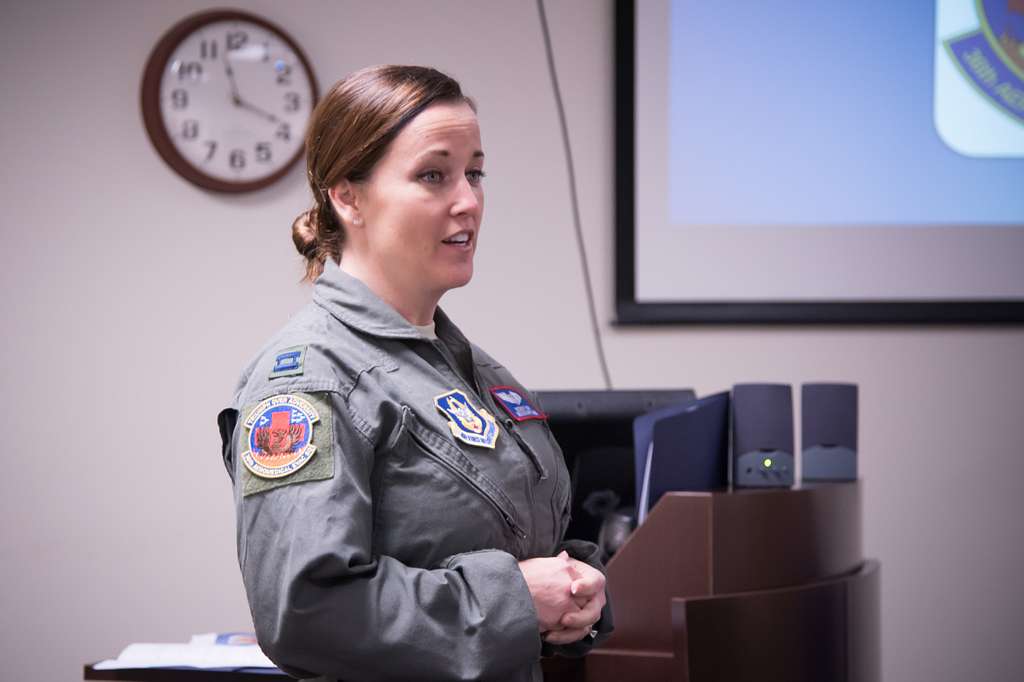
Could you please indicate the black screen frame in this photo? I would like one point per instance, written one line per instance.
(629, 311)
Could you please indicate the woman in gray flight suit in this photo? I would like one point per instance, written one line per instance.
(401, 501)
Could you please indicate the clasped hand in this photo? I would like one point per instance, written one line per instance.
(568, 596)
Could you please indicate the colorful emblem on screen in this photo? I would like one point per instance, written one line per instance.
(991, 56)
(280, 436)
(516, 404)
(469, 424)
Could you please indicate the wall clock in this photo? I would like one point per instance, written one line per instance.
(226, 96)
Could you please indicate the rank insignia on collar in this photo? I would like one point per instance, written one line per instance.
(516, 404)
(468, 424)
(280, 436)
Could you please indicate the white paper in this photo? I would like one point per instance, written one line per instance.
(201, 652)
(645, 490)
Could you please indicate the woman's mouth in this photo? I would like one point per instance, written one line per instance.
(459, 239)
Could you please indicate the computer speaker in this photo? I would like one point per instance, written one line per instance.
(828, 432)
(762, 435)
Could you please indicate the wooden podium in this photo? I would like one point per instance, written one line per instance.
(739, 585)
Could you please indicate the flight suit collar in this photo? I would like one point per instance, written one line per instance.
(351, 301)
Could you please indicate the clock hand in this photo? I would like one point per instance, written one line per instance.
(235, 97)
(256, 110)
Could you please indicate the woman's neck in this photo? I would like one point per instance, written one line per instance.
(416, 307)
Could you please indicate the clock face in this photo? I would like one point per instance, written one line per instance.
(226, 100)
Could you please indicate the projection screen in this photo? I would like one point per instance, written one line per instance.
(820, 162)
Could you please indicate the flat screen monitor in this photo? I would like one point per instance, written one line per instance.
(595, 432)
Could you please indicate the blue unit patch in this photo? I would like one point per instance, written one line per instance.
(468, 424)
(288, 362)
(516, 404)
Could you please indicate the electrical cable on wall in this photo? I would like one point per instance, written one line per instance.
(572, 193)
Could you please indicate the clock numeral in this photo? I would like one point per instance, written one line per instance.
(193, 70)
(179, 98)
(236, 40)
(263, 152)
(283, 74)
(190, 130)
(291, 101)
(284, 132)
(237, 159)
(208, 49)
(211, 147)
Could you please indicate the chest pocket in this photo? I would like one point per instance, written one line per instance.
(431, 501)
(539, 444)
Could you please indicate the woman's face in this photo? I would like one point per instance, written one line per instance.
(421, 207)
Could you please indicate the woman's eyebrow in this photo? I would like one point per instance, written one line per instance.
(444, 152)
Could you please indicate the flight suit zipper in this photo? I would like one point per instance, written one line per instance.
(515, 527)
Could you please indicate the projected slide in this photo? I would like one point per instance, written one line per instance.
(822, 114)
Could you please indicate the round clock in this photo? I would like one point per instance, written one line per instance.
(226, 96)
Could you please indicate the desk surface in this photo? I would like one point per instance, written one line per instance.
(184, 675)
(562, 669)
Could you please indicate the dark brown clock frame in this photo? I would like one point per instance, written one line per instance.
(150, 99)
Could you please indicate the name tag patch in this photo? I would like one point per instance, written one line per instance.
(471, 425)
(516, 404)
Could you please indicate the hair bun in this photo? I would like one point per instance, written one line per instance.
(304, 234)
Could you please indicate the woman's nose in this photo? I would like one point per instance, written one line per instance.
(467, 198)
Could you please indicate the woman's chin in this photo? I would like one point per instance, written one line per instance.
(459, 279)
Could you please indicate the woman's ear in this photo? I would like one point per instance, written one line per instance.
(345, 200)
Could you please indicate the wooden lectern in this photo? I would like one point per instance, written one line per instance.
(738, 585)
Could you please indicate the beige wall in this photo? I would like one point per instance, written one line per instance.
(132, 300)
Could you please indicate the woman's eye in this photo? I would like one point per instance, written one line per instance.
(433, 177)
(475, 176)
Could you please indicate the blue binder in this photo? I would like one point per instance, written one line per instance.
(684, 447)
(643, 436)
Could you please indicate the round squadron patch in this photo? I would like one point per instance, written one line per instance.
(280, 436)
(469, 424)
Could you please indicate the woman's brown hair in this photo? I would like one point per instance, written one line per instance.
(348, 133)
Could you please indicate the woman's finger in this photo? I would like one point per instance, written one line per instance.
(586, 616)
(567, 636)
(588, 581)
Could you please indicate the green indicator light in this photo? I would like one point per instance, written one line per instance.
(767, 462)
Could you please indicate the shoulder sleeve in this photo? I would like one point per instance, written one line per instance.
(324, 604)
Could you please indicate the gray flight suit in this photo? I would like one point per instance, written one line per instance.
(391, 554)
